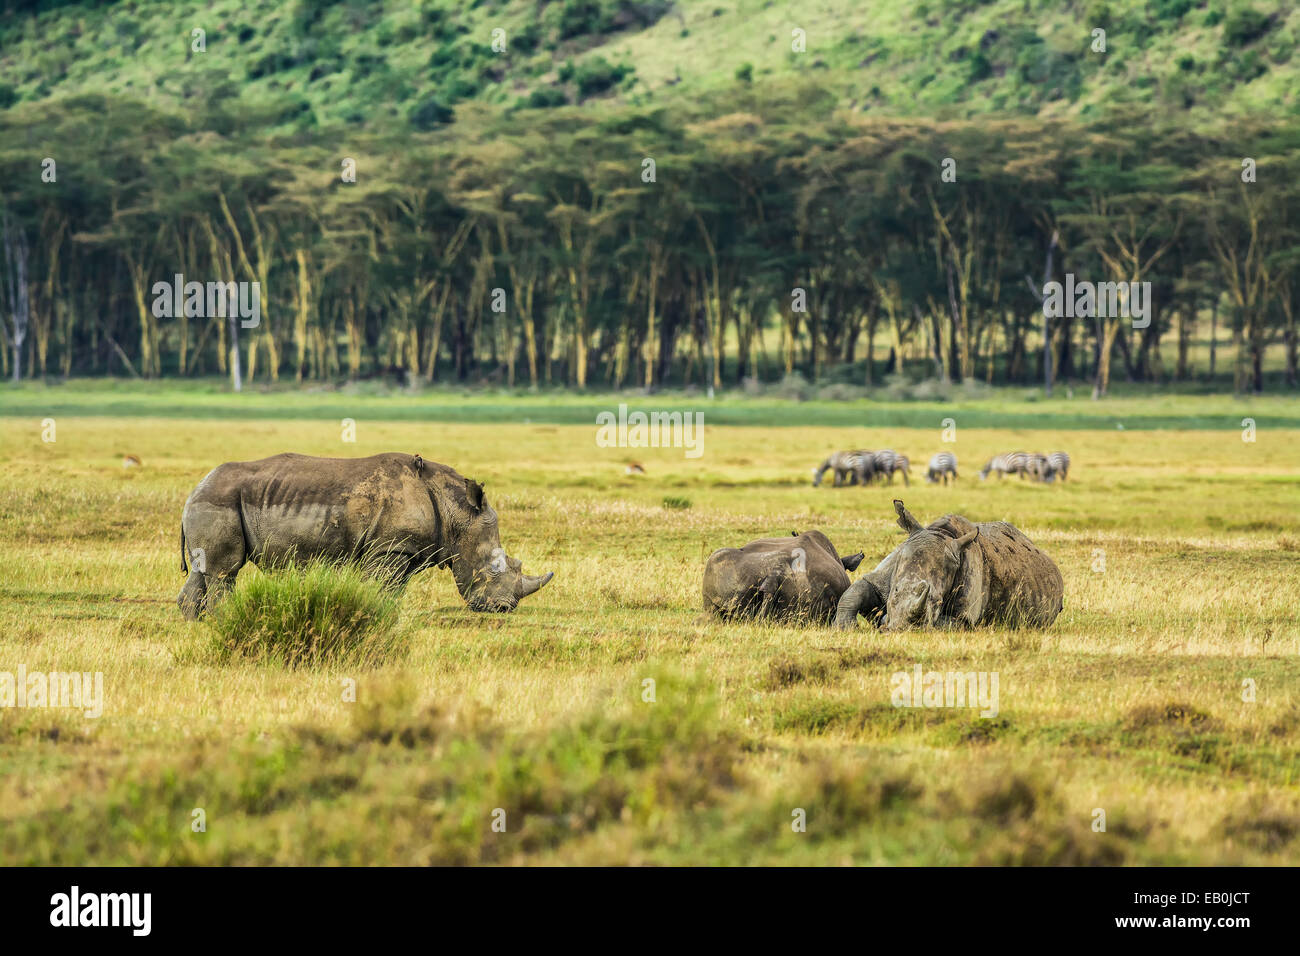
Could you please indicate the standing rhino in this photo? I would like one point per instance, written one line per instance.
(396, 514)
(800, 577)
(957, 573)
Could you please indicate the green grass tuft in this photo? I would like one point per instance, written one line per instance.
(320, 615)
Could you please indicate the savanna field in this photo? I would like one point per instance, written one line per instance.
(1178, 545)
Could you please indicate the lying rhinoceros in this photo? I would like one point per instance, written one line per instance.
(397, 514)
(957, 573)
(800, 577)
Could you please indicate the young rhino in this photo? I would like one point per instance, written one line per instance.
(957, 573)
(797, 578)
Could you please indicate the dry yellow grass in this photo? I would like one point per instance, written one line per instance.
(1131, 703)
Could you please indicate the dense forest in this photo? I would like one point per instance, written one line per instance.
(590, 235)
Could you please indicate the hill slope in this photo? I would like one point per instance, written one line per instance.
(320, 64)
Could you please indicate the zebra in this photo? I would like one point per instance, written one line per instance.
(941, 467)
(1009, 464)
(1038, 468)
(849, 467)
(888, 461)
(1059, 462)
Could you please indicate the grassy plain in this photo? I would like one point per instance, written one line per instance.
(1179, 547)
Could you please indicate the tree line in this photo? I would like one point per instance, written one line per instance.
(616, 246)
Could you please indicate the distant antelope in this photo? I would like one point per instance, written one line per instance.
(130, 461)
(942, 465)
(635, 468)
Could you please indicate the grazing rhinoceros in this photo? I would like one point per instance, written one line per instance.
(395, 514)
(800, 577)
(957, 573)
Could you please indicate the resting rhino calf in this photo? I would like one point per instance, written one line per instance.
(800, 577)
(956, 572)
(396, 514)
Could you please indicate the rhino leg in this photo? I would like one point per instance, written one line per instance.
(192, 596)
(214, 539)
(395, 572)
(864, 597)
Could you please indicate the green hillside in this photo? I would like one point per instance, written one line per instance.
(318, 64)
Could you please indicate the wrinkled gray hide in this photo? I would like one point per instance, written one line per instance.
(796, 578)
(955, 573)
(395, 514)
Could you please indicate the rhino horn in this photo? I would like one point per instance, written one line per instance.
(905, 519)
(531, 584)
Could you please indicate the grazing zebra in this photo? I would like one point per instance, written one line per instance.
(1010, 464)
(1038, 468)
(887, 461)
(942, 465)
(1059, 462)
(849, 467)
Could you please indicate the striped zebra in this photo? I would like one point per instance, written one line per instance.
(1037, 468)
(888, 461)
(942, 465)
(1059, 463)
(1009, 464)
(849, 467)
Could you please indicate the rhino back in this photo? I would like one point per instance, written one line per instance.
(304, 507)
(1025, 585)
(732, 576)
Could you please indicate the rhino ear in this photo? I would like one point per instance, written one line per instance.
(475, 492)
(418, 464)
(905, 519)
(967, 539)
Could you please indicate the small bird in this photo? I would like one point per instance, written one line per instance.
(131, 461)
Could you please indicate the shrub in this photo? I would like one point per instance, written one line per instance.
(598, 75)
(430, 114)
(1244, 25)
(1172, 9)
(545, 98)
(676, 503)
(527, 39)
(320, 614)
(579, 18)
(794, 387)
